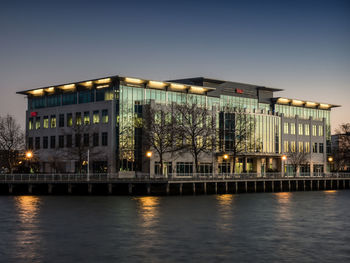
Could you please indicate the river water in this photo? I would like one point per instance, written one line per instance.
(262, 227)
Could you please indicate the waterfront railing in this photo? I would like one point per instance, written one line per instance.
(169, 177)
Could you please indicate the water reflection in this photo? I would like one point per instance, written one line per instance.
(225, 209)
(284, 209)
(147, 208)
(27, 236)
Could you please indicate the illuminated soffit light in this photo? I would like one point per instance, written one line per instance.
(103, 81)
(156, 84)
(297, 102)
(68, 86)
(324, 106)
(133, 80)
(177, 86)
(197, 89)
(51, 89)
(37, 91)
(87, 83)
(283, 100)
(311, 104)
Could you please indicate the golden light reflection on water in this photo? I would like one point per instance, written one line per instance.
(225, 210)
(284, 201)
(330, 191)
(147, 208)
(27, 207)
(27, 233)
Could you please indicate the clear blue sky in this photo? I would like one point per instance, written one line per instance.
(300, 46)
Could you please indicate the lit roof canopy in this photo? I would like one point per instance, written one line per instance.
(303, 103)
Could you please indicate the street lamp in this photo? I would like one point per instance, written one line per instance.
(149, 154)
(225, 156)
(284, 158)
(330, 160)
(29, 156)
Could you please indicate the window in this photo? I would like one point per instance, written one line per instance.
(321, 150)
(320, 130)
(205, 168)
(95, 139)
(96, 117)
(86, 139)
(53, 100)
(46, 122)
(30, 124)
(37, 143)
(37, 123)
(286, 128)
(69, 140)
(78, 118)
(53, 121)
(61, 141)
(45, 142)
(104, 116)
(286, 146)
(184, 168)
(300, 129)
(301, 147)
(314, 130)
(314, 147)
(69, 98)
(86, 117)
(307, 147)
(292, 146)
(53, 142)
(292, 128)
(69, 120)
(86, 96)
(30, 143)
(104, 94)
(104, 138)
(61, 120)
(307, 129)
(77, 140)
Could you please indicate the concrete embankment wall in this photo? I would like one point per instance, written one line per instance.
(172, 187)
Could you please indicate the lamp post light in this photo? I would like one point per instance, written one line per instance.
(284, 158)
(29, 156)
(330, 160)
(149, 155)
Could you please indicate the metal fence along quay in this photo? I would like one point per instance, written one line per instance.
(25, 178)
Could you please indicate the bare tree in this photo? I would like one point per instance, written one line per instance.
(297, 158)
(196, 125)
(237, 132)
(341, 148)
(11, 142)
(82, 142)
(159, 130)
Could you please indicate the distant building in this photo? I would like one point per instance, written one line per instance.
(341, 151)
(107, 105)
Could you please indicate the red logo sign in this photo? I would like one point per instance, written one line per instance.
(240, 91)
(33, 114)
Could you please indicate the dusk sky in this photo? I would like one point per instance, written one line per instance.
(302, 47)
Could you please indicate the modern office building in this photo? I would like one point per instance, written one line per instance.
(110, 108)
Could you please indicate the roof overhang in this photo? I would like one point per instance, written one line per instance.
(304, 103)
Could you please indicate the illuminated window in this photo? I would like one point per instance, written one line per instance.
(301, 147)
(78, 118)
(292, 146)
(286, 128)
(314, 130)
(53, 121)
(300, 129)
(314, 147)
(320, 130)
(46, 122)
(86, 117)
(307, 147)
(96, 117)
(104, 116)
(307, 129)
(30, 124)
(37, 123)
(69, 119)
(292, 128)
